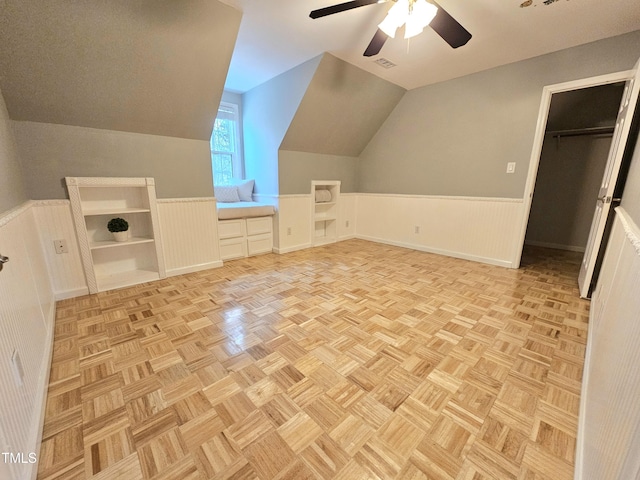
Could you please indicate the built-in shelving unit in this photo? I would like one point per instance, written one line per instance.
(109, 264)
(324, 211)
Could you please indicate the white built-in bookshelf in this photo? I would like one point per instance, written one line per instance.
(324, 211)
(109, 264)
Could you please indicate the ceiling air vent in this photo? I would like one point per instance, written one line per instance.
(383, 62)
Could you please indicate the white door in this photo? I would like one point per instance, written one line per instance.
(603, 205)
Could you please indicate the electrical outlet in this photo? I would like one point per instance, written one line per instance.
(61, 246)
(511, 167)
(346, 224)
(416, 229)
(288, 230)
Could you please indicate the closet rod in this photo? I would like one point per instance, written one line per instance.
(581, 131)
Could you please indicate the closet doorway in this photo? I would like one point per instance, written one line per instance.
(574, 154)
(612, 181)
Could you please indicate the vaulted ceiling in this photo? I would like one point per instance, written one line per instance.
(159, 66)
(276, 36)
(143, 66)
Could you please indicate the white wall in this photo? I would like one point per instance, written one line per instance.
(55, 222)
(293, 223)
(631, 193)
(267, 111)
(27, 314)
(294, 212)
(189, 232)
(480, 229)
(609, 424)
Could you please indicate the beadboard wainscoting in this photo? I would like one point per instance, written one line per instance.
(54, 222)
(347, 213)
(293, 220)
(27, 313)
(189, 235)
(609, 428)
(189, 229)
(480, 229)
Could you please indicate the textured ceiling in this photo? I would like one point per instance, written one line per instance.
(276, 36)
(144, 66)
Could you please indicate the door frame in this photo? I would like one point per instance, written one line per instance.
(538, 140)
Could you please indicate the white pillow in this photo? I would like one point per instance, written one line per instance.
(245, 190)
(226, 193)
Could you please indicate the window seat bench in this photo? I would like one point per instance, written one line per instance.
(245, 229)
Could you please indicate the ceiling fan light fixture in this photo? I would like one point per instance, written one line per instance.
(389, 27)
(419, 17)
(414, 14)
(396, 17)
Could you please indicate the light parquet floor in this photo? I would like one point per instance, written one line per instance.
(351, 361)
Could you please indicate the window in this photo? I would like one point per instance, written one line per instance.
(226, 158)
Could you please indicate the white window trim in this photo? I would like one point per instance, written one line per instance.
(236, 157)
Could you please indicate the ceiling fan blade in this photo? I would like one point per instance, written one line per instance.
(449, 29)
(341, 7)
(376, 44)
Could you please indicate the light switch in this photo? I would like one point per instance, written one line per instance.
(511, 167)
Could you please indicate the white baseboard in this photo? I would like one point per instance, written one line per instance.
(194, 268)
(347, 237)
(448, 253)
(557, 246)
(41, 398)
(293, 248)
(76, 292)
(421, 248)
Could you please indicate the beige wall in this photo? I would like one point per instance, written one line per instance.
(298, 169)
(12, 189)
(456, 137)
(146, 67)
(181, 167)
(342, 109)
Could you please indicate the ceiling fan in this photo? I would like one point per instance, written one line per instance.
(414, 14)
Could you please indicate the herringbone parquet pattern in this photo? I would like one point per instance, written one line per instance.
(355, 360)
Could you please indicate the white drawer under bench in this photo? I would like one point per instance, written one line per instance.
(245, 237)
